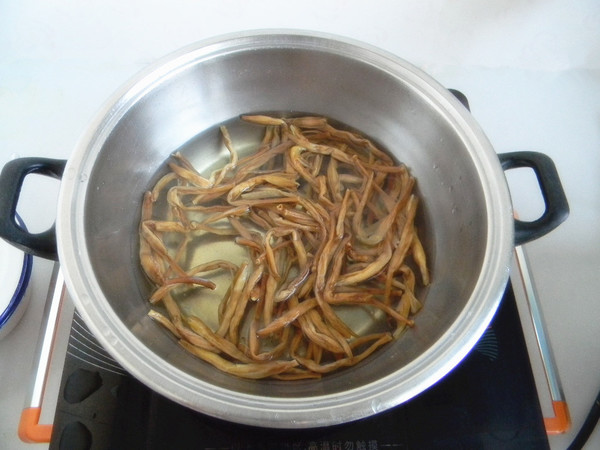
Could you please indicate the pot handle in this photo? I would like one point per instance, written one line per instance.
(556, 205)
(11, 181)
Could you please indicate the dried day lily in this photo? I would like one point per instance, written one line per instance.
(325, 220)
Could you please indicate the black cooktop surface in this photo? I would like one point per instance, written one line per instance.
(488, 401)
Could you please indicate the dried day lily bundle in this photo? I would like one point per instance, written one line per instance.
(327, 223)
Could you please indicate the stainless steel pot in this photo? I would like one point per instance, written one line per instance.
(467, 215)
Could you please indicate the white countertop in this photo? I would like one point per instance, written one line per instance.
(531, 71)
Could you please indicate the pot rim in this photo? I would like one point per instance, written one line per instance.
(299, 412)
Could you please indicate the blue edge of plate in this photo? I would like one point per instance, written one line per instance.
(21, 286)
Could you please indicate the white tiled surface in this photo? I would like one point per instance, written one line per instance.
(531, 70)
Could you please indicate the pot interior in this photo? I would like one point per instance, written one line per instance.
(180, 107)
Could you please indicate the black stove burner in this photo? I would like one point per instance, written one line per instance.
(488, 401)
